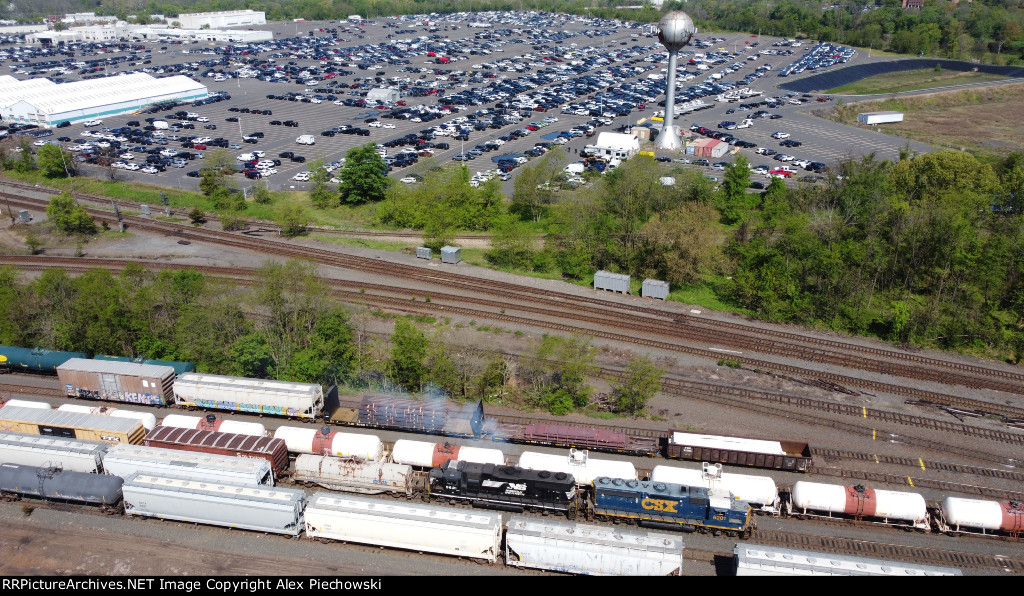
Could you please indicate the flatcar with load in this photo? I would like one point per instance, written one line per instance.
(671, 506)
(124, 382)
(429, 416)
(272, 450)
(357, 476)
(55, 423)
(506, 488)
(304, 401)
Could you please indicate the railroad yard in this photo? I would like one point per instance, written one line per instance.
(893, 419)
(887, 417)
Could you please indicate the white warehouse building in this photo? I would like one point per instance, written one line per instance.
(217, 20)
(49, 105)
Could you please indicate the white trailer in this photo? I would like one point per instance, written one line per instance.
(263, 509)
(415, 527)
(591, 550)
(259, 396)
(125, 460)
(69, 454)
(879, 117)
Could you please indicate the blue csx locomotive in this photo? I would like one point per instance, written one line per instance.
(671, 506)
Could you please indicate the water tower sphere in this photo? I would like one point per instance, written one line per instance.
(675, 30)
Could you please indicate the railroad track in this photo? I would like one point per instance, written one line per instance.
(864, 548)
(712, 330)
(434, 306)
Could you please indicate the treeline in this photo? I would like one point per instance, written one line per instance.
(988, 30)
(286, 327)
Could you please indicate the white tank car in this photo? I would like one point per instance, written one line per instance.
(329, 442)
(433, 455)
(860, 501)
(756, 490)
(148, 420)
(24, 403)
(984, 515)
(212, 423)
(578, 463)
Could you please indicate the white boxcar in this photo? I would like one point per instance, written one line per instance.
(214, 424)
(279, 398)
(148, 420)
(433, 455)
(353, 475)
(589, 549)
(125, 460)
(329, 442)
(264, 509)
(69, 454)
(760, 560)
(578, 463)
(415, 527)
(756, 490)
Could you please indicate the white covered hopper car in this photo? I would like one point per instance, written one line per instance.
(257, 396)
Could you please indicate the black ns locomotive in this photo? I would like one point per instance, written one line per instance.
(506, 488)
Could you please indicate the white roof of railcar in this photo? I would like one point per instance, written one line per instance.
(756, 556)
(404, 511)
(69, 419)
(190, 459)
(592, 534)
(734, 443)
(116, 367)
(55, 443)
(249, 384)
(235, 491)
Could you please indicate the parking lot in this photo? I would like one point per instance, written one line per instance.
(499, 82)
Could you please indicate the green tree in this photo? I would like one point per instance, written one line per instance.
(321, 194)
(54, 162)
(682, 245)
(26, 161)
(363, 179)
(511, 244)
(734, 191)
(293, 220)
(408, 355)
(69, 217)
(288, 301)
(535, 187)
(260, 193)
(250, 356)
(566, 365)
(641, 381)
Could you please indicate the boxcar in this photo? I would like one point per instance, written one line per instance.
(72, 425)
(273, 510)
(220, 443)
(117, 381)
(68, 454)
(573, 547)
(416, 527)
(737, 451)
(259, 396)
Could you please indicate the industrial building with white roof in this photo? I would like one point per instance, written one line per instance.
(46, 105)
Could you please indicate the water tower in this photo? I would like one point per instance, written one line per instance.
(675, 30)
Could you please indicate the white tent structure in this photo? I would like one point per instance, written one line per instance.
(49, 105)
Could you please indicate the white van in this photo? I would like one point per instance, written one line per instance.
(306, 140)
(160, 124)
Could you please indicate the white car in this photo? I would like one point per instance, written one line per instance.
(150, 170)
(408, 180)
(131, 166)
(119, 165)
(259, 154)
(40, 143)
(315, 100)
(166, 152)
(92, 123)
(301, 177)
(780, 135)
(246, 157)
(338, 102)
(388, 125)
(202, 119)
(375, 125)
(127, 156)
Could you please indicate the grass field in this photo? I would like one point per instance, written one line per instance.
(987, 122)
(913, 80)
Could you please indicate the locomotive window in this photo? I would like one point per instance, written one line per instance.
(619, 493)
(698, 501)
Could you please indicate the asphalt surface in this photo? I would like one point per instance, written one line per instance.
(823, 140)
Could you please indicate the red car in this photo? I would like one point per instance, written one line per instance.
(200, 147)
(532, 127)
(784, 173)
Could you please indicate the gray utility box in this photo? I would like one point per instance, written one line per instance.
(23, 216)
(615, 282)
(654, 288)
(144, 210)
(451, 254)
(422, 252)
